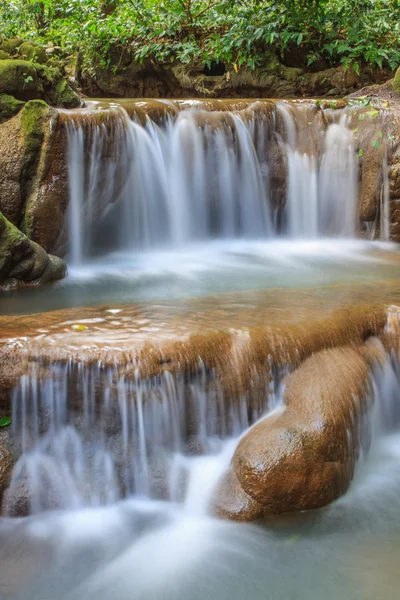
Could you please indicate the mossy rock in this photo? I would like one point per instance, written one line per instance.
(33, 52)
(28, 81)
(10, 46)
(19, 79)
(396, 81)
(57, 91)
(23, 261)
(9, 107)
(34, 120)
(4, 55)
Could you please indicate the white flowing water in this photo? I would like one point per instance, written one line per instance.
(144, 548)
(321, 192)
(194, 178)
(118, 473)
(165, 438)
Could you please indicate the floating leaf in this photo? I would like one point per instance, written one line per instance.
(361, 117)
(376, 144)
(355, 130)
(5, 421)
(360, 152)
(373, 113)
(79, 327)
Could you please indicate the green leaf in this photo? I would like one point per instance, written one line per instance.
(360, 153)
(376, 144)
(5, 421)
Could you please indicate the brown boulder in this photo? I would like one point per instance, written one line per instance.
(302, 457)
(232, 502)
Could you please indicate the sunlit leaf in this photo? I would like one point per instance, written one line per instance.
(79, 327)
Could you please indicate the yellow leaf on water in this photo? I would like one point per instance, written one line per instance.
(79, 327)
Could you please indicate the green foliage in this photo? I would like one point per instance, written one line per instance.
(5, 421)
(237, 32)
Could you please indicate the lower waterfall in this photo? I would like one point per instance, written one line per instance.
(150, 438)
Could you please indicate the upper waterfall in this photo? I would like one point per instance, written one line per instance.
(144, 182)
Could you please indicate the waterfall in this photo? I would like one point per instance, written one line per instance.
(198, 175)
(322, 191)
(90, 436)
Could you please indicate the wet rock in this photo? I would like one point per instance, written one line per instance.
(303, 457)
(6, 461)
(19, 500)
(232, 502)
(23, 261)
(23, 142)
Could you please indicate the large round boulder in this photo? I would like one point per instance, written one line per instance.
(302, 457)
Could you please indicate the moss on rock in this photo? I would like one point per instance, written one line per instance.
(396, 81)
(10, 46)
(23, 261)
(27, 81)
(33, 52)
(4, 55)
(19, 78)
(9, 107)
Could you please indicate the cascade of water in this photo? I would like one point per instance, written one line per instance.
(338, 181)
(97, 162)
(321, 192)
(90, 436)
(198, 175)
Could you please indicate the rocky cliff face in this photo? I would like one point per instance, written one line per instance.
(30, 85)
(272, 79)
